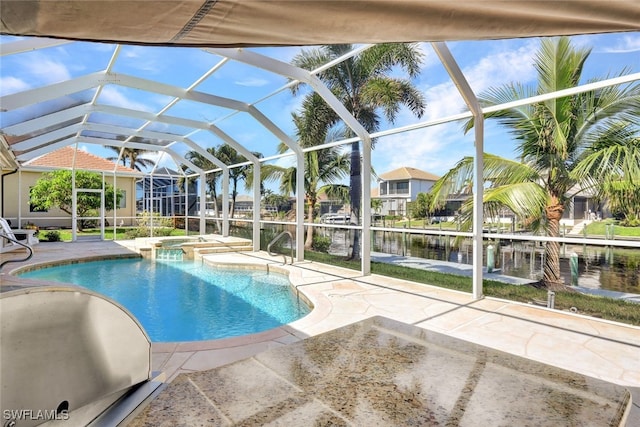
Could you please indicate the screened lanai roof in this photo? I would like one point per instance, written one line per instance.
(81, 108)
(93, 104)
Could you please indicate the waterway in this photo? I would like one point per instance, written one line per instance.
(599, 267)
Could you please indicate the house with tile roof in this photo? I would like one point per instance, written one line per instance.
(15, 188)
(401, 186)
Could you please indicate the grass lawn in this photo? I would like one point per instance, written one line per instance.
(601, 307)
(65, 235)
(420, 223)
(599, 229)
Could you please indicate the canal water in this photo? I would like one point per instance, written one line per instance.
(599, 267)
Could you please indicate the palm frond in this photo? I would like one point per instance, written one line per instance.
(497, 171)
(335, 192)
(614, 155)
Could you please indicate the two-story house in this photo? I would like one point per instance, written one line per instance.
(398, 187)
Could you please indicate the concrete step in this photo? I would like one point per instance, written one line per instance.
(223, 249)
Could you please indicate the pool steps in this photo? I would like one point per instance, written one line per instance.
(194, 248)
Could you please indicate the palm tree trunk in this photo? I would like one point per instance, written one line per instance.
(355, 197)
(216, 213)
(551, 278)
(309, 240)
(234, 194)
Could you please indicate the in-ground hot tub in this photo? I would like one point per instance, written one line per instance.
(180, 248)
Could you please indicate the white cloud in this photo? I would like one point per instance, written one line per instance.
(626, 44)
(134, 52)
(111, 95)
(46, 70)
(252, 82)
(10, 84)
(430, 59)
(434, 149)
(503, 67)
(438, 148)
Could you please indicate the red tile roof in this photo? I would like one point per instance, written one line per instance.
(63, 158)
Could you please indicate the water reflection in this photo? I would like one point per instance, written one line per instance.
(599, 267)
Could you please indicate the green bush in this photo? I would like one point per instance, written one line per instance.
(630, 222)
(146, 232)
(145, 219)
(321, 244)
(52, 236)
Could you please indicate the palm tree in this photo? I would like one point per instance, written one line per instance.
(131, 158)
(230, 156)
(362, 83)
(323, 168)
(560, 144)
(211, 178)
(612, 169)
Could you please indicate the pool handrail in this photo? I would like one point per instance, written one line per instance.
(278, 237)
(19, 243)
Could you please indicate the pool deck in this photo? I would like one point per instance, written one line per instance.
(597, 348)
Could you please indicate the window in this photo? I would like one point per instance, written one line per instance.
(403, 187)
(123, 199)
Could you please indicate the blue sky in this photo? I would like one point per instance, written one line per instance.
(434, 149)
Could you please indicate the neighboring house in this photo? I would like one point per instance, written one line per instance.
(16, 187)
(331, 206)
(168, 196)
(401, 186)
(244, 205)
(584, 205)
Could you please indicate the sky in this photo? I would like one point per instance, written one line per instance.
(435, 149)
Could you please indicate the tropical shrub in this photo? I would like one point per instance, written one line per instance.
(51, 236)
(321, 244)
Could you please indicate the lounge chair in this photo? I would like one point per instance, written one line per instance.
(7, 245)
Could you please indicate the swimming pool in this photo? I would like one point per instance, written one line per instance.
(186, 301)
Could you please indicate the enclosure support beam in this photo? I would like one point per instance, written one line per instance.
(365, 237)
(225, 202)
(300, 205)
(151, 190)
(256, 206)
(19, 198)
(115, 205)
(203, 203)
(471, 100)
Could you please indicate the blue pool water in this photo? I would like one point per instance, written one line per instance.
(185, 301)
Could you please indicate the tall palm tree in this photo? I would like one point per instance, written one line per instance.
(211, 178)
(560, 144)
(364, 85)
(323, 169)
(230, 156)
(131, 157)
